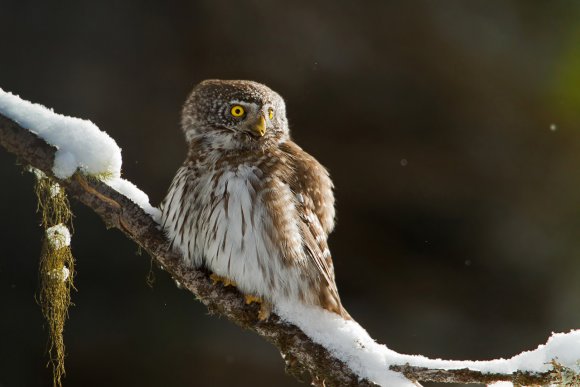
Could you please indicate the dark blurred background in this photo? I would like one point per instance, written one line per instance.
(451, 130)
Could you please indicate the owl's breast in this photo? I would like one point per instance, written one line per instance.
(209, 214)
(240, 223)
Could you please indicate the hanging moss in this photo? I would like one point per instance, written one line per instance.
(150, 279)
(56, 269)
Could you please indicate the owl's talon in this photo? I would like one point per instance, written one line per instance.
(218, 278)
(265, 310)
(252, 299)
(265, 307)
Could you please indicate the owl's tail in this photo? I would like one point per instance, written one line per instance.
(330, 301)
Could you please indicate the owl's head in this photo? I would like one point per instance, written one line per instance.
(234, 114)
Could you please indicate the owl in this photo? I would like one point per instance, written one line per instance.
(248, 204)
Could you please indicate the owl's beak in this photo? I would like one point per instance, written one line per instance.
(259, 127)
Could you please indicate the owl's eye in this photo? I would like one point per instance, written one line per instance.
(237, 111)
(270, 113)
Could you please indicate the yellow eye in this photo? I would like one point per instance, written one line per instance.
(271, 113)
(237, 111)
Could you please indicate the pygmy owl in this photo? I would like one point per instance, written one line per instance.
(249, 204)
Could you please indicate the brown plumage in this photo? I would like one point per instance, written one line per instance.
(248, 203)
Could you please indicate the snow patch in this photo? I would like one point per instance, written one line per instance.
(137, 196)
(65, 273)
(59, 275)
(54, 189)
(349, 342)
(58, 236)
(80, 145)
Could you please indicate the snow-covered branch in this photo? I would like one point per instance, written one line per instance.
(316, 345)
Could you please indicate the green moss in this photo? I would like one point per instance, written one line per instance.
(56, 269)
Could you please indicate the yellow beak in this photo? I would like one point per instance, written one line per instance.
(259, 127)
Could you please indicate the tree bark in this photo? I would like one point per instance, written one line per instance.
(306, 360)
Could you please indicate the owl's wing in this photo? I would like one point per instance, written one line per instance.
(315, 238)
(317, 250)
(311, 180)
(315, 203)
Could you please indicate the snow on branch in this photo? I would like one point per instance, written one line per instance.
(315, 344)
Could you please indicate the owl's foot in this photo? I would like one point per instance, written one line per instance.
(252, 299)
(218, 278)
(265, 306)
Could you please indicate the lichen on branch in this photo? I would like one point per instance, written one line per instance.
(56, 268)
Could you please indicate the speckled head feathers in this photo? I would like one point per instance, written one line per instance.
(208, 114)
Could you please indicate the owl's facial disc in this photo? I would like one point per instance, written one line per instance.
(250, 118)
(235, 115)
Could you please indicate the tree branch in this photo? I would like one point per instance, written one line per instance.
(468, 376)
(304, 359)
